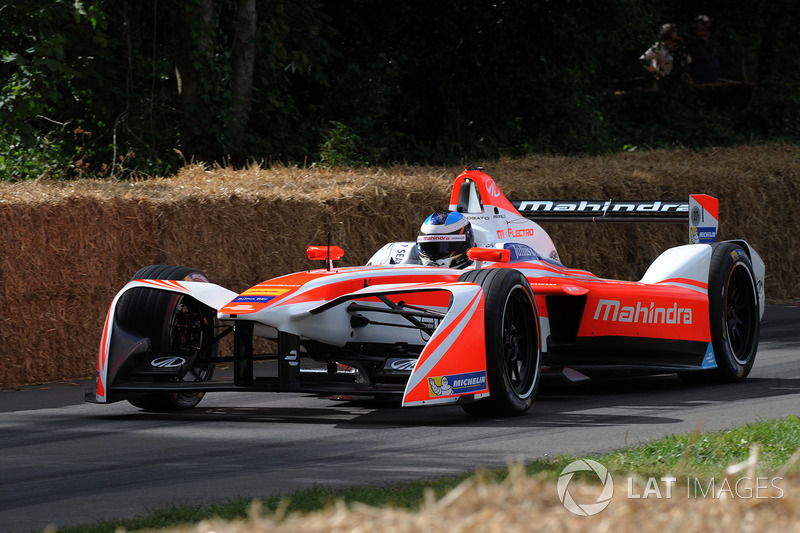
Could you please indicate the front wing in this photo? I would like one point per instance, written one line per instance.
(455, 347)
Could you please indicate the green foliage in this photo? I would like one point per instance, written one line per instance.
(776, 108)
(708, 455)
(20, 162)
(341, 147)
(412, 81)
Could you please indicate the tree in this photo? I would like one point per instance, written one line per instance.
(114, 87)
(243, 61)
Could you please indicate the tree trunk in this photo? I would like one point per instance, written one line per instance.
(242, 64)
(194, 61)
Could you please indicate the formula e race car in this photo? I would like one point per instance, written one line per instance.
(480, 336)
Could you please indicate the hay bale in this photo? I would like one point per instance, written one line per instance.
(522, 504)
(67, 247)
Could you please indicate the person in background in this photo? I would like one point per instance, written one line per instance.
(704, 67)
(667, 59)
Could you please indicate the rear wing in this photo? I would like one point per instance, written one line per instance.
(700, 211)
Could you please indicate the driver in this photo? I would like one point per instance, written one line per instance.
(444, 239)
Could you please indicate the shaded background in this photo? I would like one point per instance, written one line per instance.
(114, 88)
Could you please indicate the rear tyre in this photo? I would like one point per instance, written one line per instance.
(174, 323)
(734, 313)
(513, 342)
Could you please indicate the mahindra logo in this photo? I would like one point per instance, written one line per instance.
(403, 364)
(614, 311)
(608, 206)
(168, 362)
(491, 188)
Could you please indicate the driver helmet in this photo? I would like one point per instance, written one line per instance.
(444, 239)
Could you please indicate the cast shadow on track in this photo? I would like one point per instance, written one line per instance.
(604, 402)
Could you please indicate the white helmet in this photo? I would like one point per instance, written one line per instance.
(444, 239)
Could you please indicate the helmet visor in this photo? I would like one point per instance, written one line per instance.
(440, 246)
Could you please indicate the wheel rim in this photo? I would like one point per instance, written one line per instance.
(520, 343)
(740, 309)
(188, 326)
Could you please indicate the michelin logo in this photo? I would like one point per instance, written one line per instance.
(703, 235)
(456, 384)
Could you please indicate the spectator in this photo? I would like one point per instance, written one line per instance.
(705, 61)
(666, 60)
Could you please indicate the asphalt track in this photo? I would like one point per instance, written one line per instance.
(66, 462)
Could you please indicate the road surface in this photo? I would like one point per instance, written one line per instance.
(66, 462)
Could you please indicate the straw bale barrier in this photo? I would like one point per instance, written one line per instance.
(67, 247)
(522, 504)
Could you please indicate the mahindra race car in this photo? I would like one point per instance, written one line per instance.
(480, 337)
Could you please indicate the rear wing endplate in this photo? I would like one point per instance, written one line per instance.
(700, 211)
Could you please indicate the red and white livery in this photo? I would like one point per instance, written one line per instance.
(480, 337)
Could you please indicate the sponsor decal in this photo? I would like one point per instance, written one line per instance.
(402, 365)
(609, 206)
(168, 362)
(265, 291)
(524, 232)
(260, 294)
(703, 235)
(240, 307)
(520, 252)
(438, 238)
(572, 289)
(254, 299)
(710, 360)
(401, 253)
(457, 384)
(492, 188)
(641, 313)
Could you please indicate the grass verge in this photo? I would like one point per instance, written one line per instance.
(698, 455)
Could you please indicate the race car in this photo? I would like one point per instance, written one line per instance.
(410, 325)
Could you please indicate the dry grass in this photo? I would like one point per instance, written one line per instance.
(523, 504)
(68, 247)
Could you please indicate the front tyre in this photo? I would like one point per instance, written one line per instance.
(176, 324)
(734, 313)
(513, 342)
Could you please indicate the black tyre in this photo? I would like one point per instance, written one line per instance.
(513, 342)
(734, 312)
(174, 323)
